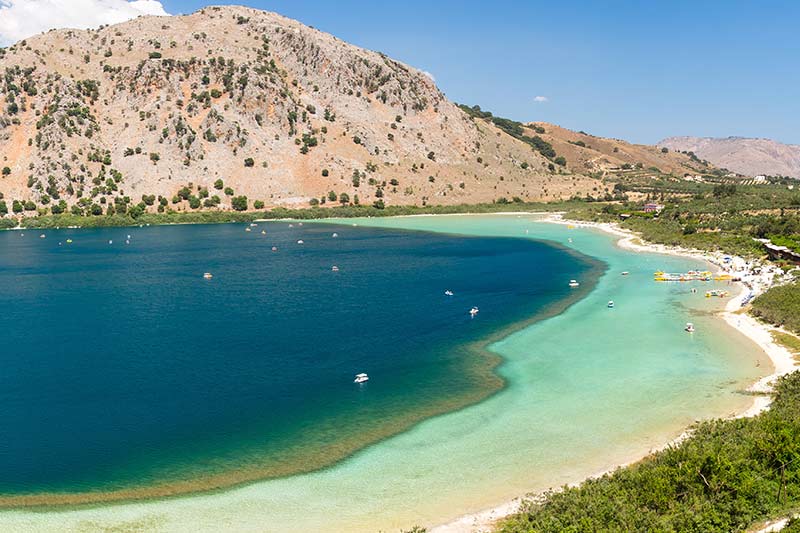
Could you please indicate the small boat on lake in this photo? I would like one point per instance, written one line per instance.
(274, 248)
(335, 235)
(473, 311)
(361, 378)
(247, 229)
(334, 268)
(300, 241)
(208, 275)
(573, 283)
(448, 293)
(689, 327)
(611, 304)
(625, 272)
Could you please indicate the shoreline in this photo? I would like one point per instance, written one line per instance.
(782, 362)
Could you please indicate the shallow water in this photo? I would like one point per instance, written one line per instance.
(586, 389)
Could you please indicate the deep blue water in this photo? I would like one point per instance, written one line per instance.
(122, 366)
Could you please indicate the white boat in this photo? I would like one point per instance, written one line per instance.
(448, 293)
(247, 229)
(208, 275)
(334, 268)
(473, 311)
(335, 235)
(625, 272)
(263, 232)
(611, 304)
(274, 248)
(361, 378)
(300, 241)
(253, 225)
(42, 236)
(689, 327)
(573, 283)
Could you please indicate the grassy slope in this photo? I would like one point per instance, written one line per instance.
(780, 306)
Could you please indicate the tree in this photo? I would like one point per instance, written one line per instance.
(3, 208)
(344, 198)
(239, 203)
(378, 204)
(219, 185)
(6, 171)
(228, 191)
(332, 196)
(325, 172)
(249, 162)
(58, 208)
(16, 206)
(258, 204)
(724, 190)
(560, 160)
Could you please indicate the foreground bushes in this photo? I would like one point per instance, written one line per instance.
(724, 478)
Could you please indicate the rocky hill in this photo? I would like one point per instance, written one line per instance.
(586, 153)
(750, 157)
(192, 112)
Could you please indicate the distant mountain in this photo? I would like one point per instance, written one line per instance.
(751, 157)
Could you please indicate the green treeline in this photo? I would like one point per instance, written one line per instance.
(213, 217)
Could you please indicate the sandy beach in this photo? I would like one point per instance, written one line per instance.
(781, 359)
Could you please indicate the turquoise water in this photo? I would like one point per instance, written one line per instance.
(586, 389)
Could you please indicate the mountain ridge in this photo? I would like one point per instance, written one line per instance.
(745, 155)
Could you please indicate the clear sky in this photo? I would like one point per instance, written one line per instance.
(634, 70)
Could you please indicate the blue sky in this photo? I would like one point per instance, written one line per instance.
(635, 70)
